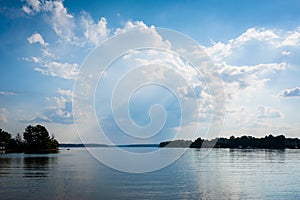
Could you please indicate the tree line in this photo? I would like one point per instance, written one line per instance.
(35, 139)
(244, 142)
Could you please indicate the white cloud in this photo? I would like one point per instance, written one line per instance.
(286, 53)
(66, 25)
(94, 32)
(67, 93)
(37, 38)
(73, 34)
(32, 6)
(3, 115)
(54, 68)
(57, 69)
(7, 93)
(48, 54)
(245, 76)
(267, 112)
(220, 50)
(27, 10)
(62, 22)
(295, 92)
(58, 102)
(35, 59)
(246, 63)
(131, 25)
(81, 32)
(59, 112)
(292, 39)
(254, 34)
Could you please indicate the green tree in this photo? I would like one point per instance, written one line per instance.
(37, 138)
(18, 139)
(4, 137)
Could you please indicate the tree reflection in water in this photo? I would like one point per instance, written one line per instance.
(37, 167)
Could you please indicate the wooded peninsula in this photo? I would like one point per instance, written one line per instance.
(36, 139)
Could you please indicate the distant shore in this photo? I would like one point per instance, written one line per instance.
(71, 145)
(244, 142)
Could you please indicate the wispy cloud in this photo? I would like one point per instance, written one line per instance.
(32, 6)
(267, 112)
(4, 115)
(7, 93)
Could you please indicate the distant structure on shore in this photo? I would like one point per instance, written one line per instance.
(244, 142)
(36, 139)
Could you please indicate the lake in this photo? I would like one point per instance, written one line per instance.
(221, 174)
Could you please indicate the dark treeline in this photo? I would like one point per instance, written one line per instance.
(244, 142)
(36, 139)
(66, 145)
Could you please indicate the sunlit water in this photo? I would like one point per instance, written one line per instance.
(222, 174)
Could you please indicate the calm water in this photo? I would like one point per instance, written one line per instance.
(222, 174)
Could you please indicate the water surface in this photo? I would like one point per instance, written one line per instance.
(222, 174)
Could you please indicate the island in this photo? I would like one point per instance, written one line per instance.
(243, 142)
(36, 139)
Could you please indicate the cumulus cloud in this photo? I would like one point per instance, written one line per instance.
(267, 112)
(249, 60)
(94, 32)
(65, 25)
(292, 38)
(74, 34)
(131, 25)
(37, 38)
(294, 92)
(245, 76)
(83, 32)
(62, 21)
(66, 93)
(57, 69)
(219, 51)
(59, 111)
(275, 40)
(254, 34)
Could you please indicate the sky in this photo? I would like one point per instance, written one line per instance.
(253, 45)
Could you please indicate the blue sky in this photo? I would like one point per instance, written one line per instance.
(253, 44)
